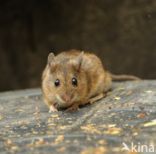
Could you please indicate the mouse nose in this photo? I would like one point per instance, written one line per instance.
(66, 98)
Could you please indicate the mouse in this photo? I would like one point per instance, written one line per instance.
(74, 78)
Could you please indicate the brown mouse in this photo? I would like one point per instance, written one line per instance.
(74, 78)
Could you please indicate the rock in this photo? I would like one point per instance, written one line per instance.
(125, 117)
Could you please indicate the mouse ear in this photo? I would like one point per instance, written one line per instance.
(51, 61)
(51, 57)
(79, 60)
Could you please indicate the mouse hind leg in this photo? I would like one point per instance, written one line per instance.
(96, 98)
(102, 88)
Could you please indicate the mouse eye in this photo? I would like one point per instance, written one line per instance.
(57, 82)
(74, 81)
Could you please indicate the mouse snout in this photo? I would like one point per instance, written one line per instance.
(66, 98)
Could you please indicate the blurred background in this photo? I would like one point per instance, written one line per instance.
(121, 32)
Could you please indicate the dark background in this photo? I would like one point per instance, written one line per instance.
(121, 32)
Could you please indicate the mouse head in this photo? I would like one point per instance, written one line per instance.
(66, 81)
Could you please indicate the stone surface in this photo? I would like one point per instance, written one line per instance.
(127, 115)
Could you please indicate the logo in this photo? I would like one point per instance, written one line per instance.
(138, 147)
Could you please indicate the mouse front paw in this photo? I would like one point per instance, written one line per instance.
(52, 109)
(72, 108)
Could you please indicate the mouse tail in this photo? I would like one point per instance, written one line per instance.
(123, 77)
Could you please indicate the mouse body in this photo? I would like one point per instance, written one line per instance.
(74, 78)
